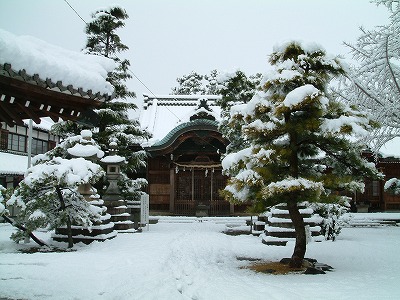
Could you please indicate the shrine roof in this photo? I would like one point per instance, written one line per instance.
(198, 124)
(161, 114)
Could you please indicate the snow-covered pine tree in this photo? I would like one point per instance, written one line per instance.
(115, 124)
(48, 197)
(392, 186)
(5, 194)
(299, 139)
(235, 88)
(373, 84)
(191, 84)
(216, 83)
(2, 200)
(103, 40)
(212, 85)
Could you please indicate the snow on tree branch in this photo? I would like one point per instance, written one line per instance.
(373, 84)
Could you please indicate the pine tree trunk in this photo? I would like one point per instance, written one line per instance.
(301, 242)
(23, 228)
(69, 231)
(69, 227)
(294, 213)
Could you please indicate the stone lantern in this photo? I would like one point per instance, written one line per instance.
(113, 200)
(113, 164)
(88, 149)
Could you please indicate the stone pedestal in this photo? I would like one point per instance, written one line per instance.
(279, 228)
(120, 216)
(202, 210)
(100, 231)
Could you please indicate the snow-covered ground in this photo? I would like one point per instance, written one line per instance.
(194, 260)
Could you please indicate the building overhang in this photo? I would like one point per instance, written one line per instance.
(29, 97)
(201, 129)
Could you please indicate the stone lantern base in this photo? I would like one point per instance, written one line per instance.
(279, 229)
(119, 215)
(98, 232)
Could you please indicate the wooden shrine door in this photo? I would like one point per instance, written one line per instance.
(200, 187)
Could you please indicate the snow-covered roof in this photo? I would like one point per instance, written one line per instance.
(38, 80)
(45, 124)
(13, 164)
(162, 113)
(88, 72)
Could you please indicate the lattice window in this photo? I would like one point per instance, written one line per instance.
(184, 186)
(16, 142)
(39, 146)
(3, 139)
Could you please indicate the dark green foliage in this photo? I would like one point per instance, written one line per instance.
(191, 84)
(48, 197)
(103, 40)
(66, 129)
(114, 122)
(299, 139)
(235, 89)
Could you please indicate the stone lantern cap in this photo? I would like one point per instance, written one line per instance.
(87, 147)
(113, 158)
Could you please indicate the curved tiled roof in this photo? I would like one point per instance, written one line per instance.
(197, 124)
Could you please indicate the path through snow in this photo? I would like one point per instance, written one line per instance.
(196, 261)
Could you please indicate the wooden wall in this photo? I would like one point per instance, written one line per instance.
(159, 187)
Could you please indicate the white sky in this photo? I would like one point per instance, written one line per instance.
(169, 38)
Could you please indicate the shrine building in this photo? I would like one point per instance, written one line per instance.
(184, 155)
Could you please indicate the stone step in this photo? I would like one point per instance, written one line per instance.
(78, 230)
(116, 210)
(123, 226)
(271, 243)
(287, 234)
(119, 218)
(114, 203)
(279, 229)
(84, 239)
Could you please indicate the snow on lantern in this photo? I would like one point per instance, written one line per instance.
(113, 172)
(116, 205)
(88, 149)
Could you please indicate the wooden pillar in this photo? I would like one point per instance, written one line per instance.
(192, 184)
(212, 185)
(172, 190)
